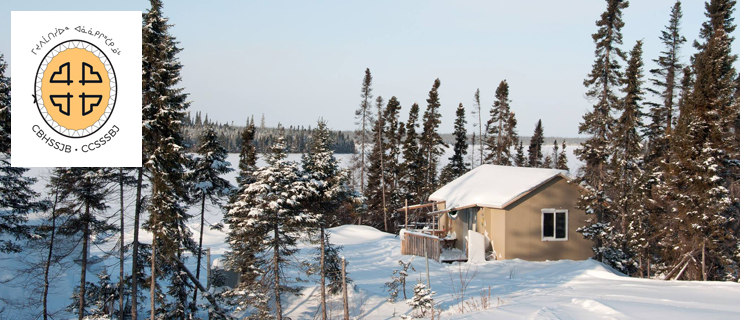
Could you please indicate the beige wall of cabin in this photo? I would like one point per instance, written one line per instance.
(524, 225)
(517, 231)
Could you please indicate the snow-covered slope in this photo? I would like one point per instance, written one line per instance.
(521, 289)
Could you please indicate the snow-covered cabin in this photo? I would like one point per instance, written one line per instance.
(528, 213)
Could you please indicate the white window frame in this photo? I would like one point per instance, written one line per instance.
(554, 224)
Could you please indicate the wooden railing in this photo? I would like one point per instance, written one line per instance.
(417, 244)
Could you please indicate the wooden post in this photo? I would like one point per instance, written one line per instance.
(703, 264)
(208, 268)
(406, 210)
(344, 290)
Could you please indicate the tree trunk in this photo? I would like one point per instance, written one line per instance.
(344, 291)
(51, 250)
(120, 278)
(276, 269)
(200, 245)
(153, 281)
(323, 275)
(703, 262)
(135, 262)
(83, 272)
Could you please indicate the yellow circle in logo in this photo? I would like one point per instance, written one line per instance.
(75, 88)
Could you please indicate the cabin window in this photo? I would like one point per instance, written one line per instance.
(554, 225)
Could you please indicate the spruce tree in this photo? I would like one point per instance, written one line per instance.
(562, 163)
(392, 140)
(164, 106)
(666, 80)
(207, 184)
(624, 238)
(17, 199)
(534, 151)
(364, 117)
(247, 155)
(457, 166)
(87, 189)
(330, 194)
(702, 173)
(412, 174)
(602, 83)
(501, 129)
(375, 192)
(519, 159)
(266, 218)
(476, 111)
(431, 145)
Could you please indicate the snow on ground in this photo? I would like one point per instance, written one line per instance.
(521, 289)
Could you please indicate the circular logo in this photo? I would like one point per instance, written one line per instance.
(75, 88)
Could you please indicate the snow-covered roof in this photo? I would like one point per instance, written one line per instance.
(493, 186)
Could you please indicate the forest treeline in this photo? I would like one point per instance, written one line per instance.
(297, 138)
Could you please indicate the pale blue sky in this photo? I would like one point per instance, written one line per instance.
(296, 61)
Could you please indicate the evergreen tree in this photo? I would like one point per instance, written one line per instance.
(702, 173)
(624, 237)
(501, 129)
(412, 174)
(562, 163)
(547, 163)
(392, 140)
(365, 118)
(534, 151)
(164, 105)
(423, 300)
(247, 155)
(265, 219)
(87, 189)
(431, 145)
(207, 184)
(602, 82)
(457, 166)
(520, 160)
(375, 192)
(100, 296)
(665, 79)
(17, 199)
(331, 193)
(477, 112)
(555, 155)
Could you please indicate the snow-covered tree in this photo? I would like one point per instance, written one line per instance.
(423, 300)
(602, 83)
(519, 159)
(263, 222)
(86, 189)
(247, 155)
(365, 117)
(457, 166)
(164, 106)
(562, 162)
(476, 111)
(330, 194)
(501, 134)
(100, 296)
(392, 139)
(412, 174)
(431, 145)
(376, 190)
(17, 199)
(207, 183)
(622, 240)
(704, 165)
